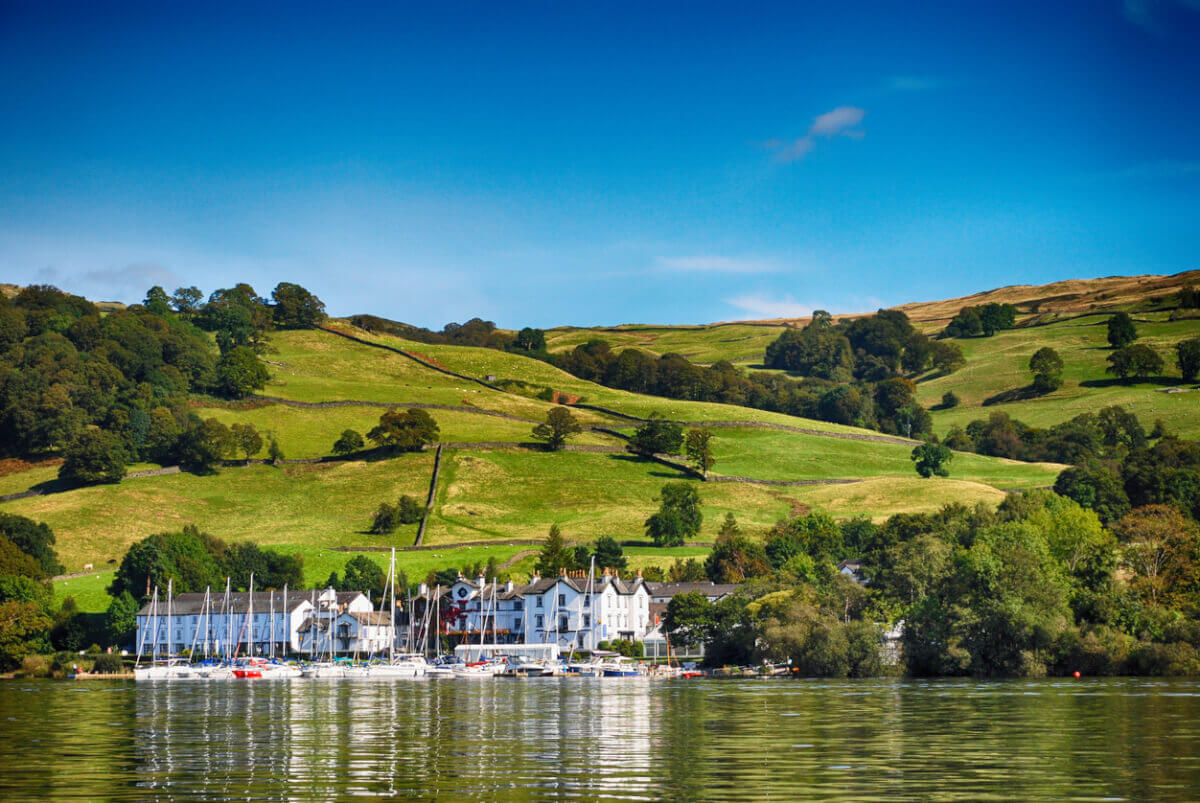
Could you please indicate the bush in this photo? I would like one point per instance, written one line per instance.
(949, 399)
(109, 664)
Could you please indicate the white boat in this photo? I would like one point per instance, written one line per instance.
(323, 669)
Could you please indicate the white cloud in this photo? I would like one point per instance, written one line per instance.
(839, 122)
(762, 306)
(716, 264)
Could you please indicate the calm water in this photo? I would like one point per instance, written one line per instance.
(601, 738)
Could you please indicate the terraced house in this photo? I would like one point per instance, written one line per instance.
(570, 610)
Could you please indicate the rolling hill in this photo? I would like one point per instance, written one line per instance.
(497, 493)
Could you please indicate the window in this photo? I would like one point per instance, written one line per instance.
(562, 599)
(519, 605)
(538, 620)
(516, 624)
(587, 600)
(564, 623)
(539, 604)
(587, 620)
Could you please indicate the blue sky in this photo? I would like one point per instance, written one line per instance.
(598, 163)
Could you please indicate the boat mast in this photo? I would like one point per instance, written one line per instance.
(228, 622)
(437, 613)
(495, 632)
(154, 654)
(196, 633)
(392, 610)
(170, 642)
(250, 617)
(287, 621)
(271, 597)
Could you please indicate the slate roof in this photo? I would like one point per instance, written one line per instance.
(707, 588)
(239, 601)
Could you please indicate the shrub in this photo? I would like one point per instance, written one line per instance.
(949, 399)
(109, 664)
(409, 510)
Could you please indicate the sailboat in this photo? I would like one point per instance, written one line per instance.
(404, 665)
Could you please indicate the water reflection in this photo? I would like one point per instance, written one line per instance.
(600, 738)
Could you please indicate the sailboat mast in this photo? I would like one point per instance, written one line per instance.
(154, 654)
(196, 632)
(392, 610)
(287, 630)
(250, 617)
(271, 596)
(437, 627)
(228, 621)
(170, 642)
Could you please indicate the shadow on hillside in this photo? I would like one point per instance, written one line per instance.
(1014, 395)
(633, 458)
(1165, 381)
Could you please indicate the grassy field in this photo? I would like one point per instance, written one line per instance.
(320, 505)
(499, 495)
(1001, 363)
(480, 362)
(306, 432)
(703, 344)
(770, 455)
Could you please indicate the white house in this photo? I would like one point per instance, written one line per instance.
(217, 624)
(570, 610)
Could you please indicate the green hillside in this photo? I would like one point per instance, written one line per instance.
(487, 496)
(1000, 364)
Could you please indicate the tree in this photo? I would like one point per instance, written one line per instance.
(819, 349)
(657, 436)
(186, 300)
(23, 627)
(385, 520)
(203, 444)
(947, 357)
(247, 439)
(949, 399)
(274, 451)
(688, 619)
(192, 559)
(560, 424)
(296, 308)
(531, 339)
(157, 301)
(1161, 548)
(240, 373)
(555, 555)
(364, 574)
(678, 517)
(1188, 357)
(94, 456)
(1047, 369)
(1138, 361)
(120, 621)
(609, 553)
(407, 430)
(735, 558)
(348, 443)
(32, 538)
(409, 510)
(699, 450)
(931, 459)
(1121, 331)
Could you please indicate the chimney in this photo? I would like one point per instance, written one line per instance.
(422, 590)
(562, 572)
(639, 574)
(535, 577)
(508, 586)
(480, 580)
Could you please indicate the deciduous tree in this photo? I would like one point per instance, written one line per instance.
(559, 425)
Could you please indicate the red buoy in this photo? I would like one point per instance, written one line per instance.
(1077, 673)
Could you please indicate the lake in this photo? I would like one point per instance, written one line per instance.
(615, 738)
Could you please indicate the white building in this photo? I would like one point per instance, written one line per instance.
(224, 626)
(570, 610)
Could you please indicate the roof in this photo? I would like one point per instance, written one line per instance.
(380, 618)
(543, 585)
(707, 588)
(192, 604)
(852, 565)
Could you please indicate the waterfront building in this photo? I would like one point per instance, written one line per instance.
(570, 610)
(223, 625)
